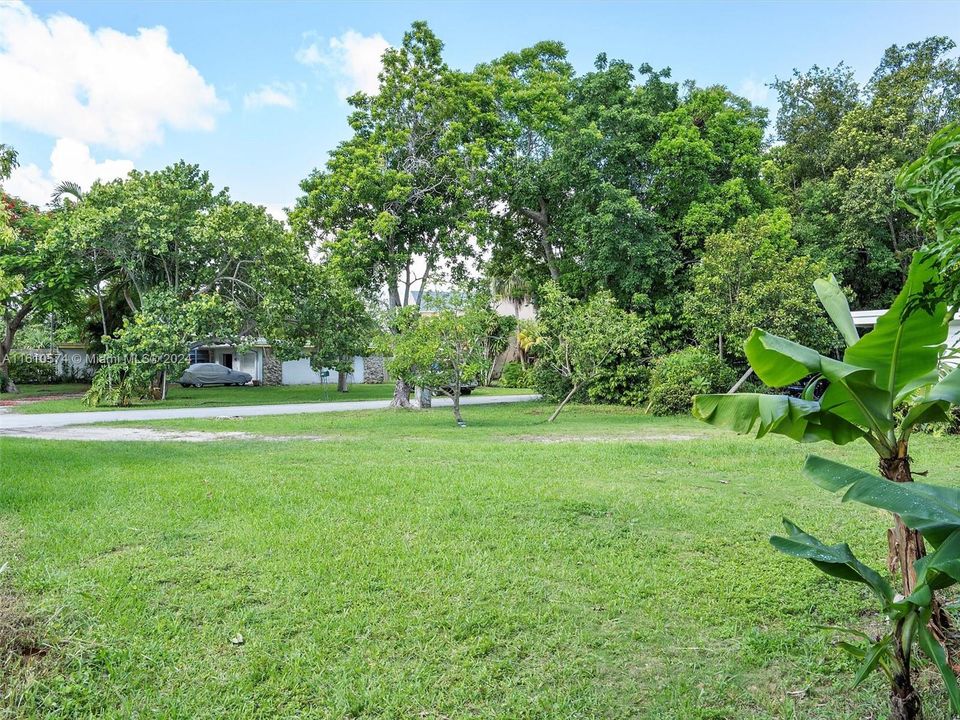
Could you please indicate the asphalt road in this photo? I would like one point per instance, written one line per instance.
(20, 425)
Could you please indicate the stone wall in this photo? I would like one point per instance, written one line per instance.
(373, 369)
(272, 368)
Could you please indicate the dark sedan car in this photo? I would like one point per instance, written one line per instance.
(200, 374)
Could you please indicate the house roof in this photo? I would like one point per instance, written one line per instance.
(868, 318)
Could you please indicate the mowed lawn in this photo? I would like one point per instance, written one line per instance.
(610, 565)
(216, 396)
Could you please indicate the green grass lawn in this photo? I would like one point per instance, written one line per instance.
(610, 565)
(226, 396)
(25, 391)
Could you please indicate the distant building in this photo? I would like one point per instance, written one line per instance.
(260, 362)
(867, 319)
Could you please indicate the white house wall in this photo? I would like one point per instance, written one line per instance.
(74, 363)
(248, 362)
(299, 372)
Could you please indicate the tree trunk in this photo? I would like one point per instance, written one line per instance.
(6, 345)
(548, 254)
(904, 699)
(423, 397)
(401, 394)
(456, 405)
(542, 219)
(739, 383)
(7, 385)
(563, 402)
(341, 381)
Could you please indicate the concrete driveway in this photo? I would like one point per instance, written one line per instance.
(40, 424)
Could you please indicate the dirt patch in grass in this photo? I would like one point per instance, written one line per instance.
(19, 636)
(134, 434)
(628, 437)
(21, 644)
(8, 402)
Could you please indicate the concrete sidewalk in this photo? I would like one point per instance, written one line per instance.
(20, 425)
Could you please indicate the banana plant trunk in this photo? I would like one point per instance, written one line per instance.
(906, 546)
(904, 699)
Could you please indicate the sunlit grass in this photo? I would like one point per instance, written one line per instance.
(609, 565)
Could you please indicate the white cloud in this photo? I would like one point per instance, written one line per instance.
(353, 59)
(63, 79)
(756, 91)
(276, 95)
(277, 211)
(70, 160)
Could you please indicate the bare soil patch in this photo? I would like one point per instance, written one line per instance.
(134, 434)
(19, 641)
(9, 402)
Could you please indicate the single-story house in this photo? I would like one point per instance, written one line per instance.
(266, 369)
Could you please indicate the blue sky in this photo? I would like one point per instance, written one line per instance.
(257, 96)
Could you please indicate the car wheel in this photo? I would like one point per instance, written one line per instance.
(466, 391)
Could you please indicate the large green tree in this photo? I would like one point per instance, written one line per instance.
(38, 274)
(396, 205)
(754, 276)
(612, 179)
(842, 148)
(168, 238)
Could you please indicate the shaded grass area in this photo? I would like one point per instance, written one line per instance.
(405, 568)
(25, 391)
(216, 396)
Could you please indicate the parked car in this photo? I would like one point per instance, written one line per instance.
(200, 374)
(465, 388)
(813, 386)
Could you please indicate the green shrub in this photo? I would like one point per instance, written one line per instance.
(515, 375)
(115, 386)
(551, 384)
(677, 377)
(624, 382)
(28, 370)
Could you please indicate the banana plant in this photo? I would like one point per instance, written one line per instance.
(932, 511)
(887, 383)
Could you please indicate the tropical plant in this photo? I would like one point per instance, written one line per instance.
(932, 511)
(930, 189)
(887, 384)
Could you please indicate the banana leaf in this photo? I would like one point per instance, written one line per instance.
(835, 560)
(800, 420)
(837, 307)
